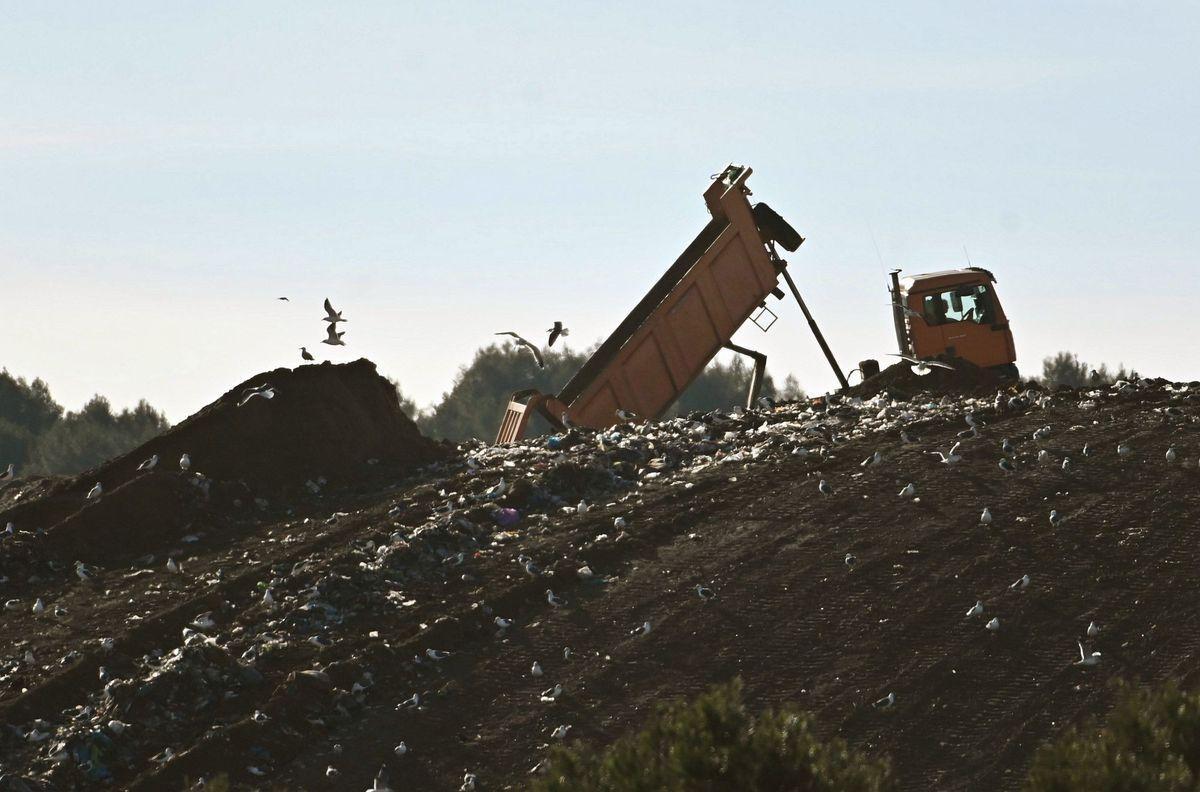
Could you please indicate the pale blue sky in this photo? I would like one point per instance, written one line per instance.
(443, 171)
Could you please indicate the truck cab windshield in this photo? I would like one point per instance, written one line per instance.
(962, 304)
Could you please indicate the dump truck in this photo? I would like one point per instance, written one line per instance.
(721, 281)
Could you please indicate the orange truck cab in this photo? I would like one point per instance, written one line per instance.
(953, 314)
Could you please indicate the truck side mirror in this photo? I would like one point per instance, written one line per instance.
(956, 302)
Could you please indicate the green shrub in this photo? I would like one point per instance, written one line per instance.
(1150, 741)
(714, 744)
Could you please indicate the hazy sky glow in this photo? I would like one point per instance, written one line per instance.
(443, 171)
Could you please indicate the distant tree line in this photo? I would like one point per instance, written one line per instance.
(475, 402)
(1066, 368)
(40, 437)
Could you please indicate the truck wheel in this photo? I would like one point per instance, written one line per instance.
(1007, 372)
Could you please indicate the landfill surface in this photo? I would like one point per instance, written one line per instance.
(325, 593)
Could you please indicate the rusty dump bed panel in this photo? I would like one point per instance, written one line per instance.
(681, 324)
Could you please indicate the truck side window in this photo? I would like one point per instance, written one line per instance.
(975, 306)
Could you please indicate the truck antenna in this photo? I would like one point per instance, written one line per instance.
(968, 255)
(871, 231)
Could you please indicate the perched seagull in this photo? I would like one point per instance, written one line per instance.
(95, 492)
(1043, 455)
(149, 464)
(554, 599)
(1085, 659)
(1171, 455)
(985, 518)
(555, 332)
(626, 415)
(1066, 465)
(825, 488)
(875, 459)
(435, 654)
(1088, 450)
(333, 337)
(643, 630)
(332, 316)
(1124, 450)
(923, 367)
(502, 622)
(173, 566)
(705, 593)
(1007, 447)
(39, 607)
(267, 391)
(850, 560)
(976, 609)
(468, 784)
(1022, 582)
(949, 458)
(994, 624)
(401, 749)
(532, 569)
(185, 463)
(909, 491)
(560, 733)
(320, 641)
(1007, 466)
(566, 653)
(10, 473)
(305, 354)
(535, 669)
(1055, 518)
(887, 702)
(969, 434)
(380, 783)
(537, 353)
(551, 694)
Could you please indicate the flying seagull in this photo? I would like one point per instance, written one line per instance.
(285, 299)
(334, 338)
(923, 367)
(305, 354)
(537, 353)
(1086, 659)
(332, 316)
(910, 313)
(948, 458)
(555, 332)
(267, 391)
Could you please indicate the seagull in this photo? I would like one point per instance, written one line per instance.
(874, 459)
(985, 518)
(535, 669)
(1088, 450)
(550, 694)
(923, 367)
(1007, 446)
(566, 653)
(149, 464)
(908, 439)
(39, 607)
(626, 415)
(969, 434)
(268, 599)
(185, 462)
(532, 569)
(909, 312)
(1043, 455)
(1055, 518)
(334, 338)
(560, 733)
(401, 749)
(619, 523)
(332, 316)
(909, 491)
(537, 353)
(554, 599)
(585, 572)
(949, 458)
(267, 391)
(436, 654)
(1007, 466)
(381, 782)
(1124, 450)
(1022, 582)
(850, 560)
(555, 332)
(825, 488)
(173, 566)
(994, 624)
(975, 609)
(1086, 659)
(971, 420)
(10, 473)
(320, 641)
(1066, 465)
(1171, 455)
(643, 630)
(468, 784)
(887, 702)
(95, 492)
(305, 354)
(283, 299)
(705, 593)
(502, 622)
